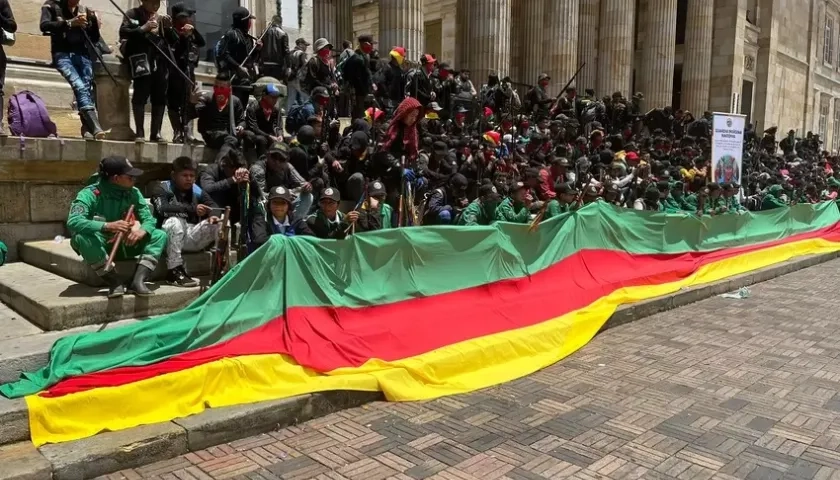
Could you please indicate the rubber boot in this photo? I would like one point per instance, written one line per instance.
(157, 124)
(189, 136)
(138, 284)
(177, 127)
(91, 121)
(115, 285)
(139, 121)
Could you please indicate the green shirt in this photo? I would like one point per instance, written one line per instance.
(508, 211)
(104, 202)
(555, 208)
(476, 214)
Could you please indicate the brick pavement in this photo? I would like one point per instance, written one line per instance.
(719, 389)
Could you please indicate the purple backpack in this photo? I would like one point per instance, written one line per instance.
(28, 116)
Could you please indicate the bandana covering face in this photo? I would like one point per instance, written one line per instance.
(221, 92)
(324, 53)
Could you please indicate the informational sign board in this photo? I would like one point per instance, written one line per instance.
(728, 147)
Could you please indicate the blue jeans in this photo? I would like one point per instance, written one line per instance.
(77, 69)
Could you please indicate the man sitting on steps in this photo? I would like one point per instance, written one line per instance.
(97, 215)
(185, 212)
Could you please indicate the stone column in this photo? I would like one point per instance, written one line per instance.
(532, 40)
(615, 47)
(323, 20)
(657, 75)
(486, 25)
(401, 23)
(587, 44)
(344, 23)
(698, 56)
(560, 41)
(113, 101)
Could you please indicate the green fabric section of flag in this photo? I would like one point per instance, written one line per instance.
(398, 264)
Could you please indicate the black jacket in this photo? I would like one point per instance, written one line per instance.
(186, 50)
(267, 179)
(356, 72)
(210, 119)
(63, 39)
(318, 74)
(168, 203)
(138, 42)
(262, 227)
(323, 228)
(233, 53)
(256, 122)
(275, 50)
(419, 86)
(224, 191)
(389, 81)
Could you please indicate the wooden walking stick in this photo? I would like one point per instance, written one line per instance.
(220, 248)
(109, 264)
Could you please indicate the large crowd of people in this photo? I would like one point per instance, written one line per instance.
(426, 146)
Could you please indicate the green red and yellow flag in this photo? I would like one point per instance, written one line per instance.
(415, 313)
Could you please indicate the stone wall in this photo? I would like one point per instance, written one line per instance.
(38, 182)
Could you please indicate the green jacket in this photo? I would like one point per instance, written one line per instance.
(509, 212)
(477, 214)
(716, 206)
(735, 205)
(387, 216)
(555, 208)
(771, 198)
(108, 203)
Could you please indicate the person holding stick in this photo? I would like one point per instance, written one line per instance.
(98, 217)
(74, 30)
(148, 36)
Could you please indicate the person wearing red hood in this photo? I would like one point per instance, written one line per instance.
(401, 139)
(419, 81)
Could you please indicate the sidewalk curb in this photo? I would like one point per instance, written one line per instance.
(112, 451)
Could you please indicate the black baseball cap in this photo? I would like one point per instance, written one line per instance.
(116, 165)
(366, 38)
(488, 192)
(282, 193)
(376, 189)
(302, 41)
(331, 193)
(279, 149)
(241, 13)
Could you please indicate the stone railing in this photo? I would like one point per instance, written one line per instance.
(40, 177)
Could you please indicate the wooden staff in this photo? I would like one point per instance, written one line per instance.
(220, 248)
(109, 264)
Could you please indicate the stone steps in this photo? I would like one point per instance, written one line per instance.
(52, 302)
(60, 259)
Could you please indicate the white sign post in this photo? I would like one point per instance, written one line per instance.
(728, 147)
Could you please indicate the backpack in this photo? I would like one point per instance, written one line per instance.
(217, 54)
(28, 116)
(295, 68)
(296, 118)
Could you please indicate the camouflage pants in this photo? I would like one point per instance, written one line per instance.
(184, 237)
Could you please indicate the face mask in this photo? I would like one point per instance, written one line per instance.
(367, 48)
(444, 74)
(324, 53)
(267, 102)
(429, 68)
(221, 92)
(544, 83)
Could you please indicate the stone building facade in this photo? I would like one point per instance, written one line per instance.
(777, 61)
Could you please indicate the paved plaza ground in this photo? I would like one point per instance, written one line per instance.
(719, 389)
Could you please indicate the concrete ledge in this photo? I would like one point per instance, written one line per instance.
(78, 150)
(21, 461)
(32, 352)
(60, 259)
(113, 451)
(55, 303)
(14, 421)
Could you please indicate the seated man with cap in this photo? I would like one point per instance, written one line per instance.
(262, 119)
(482, 210)
(279, 218)
(97, 216)
(515, 208)
(375, 214)
(444, 204)
(275, 171)
(328, 222)
(564, 202)
(186, 213)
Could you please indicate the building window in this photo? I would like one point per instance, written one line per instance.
(835, 138)
(823, 119)
(212, 20)
(828, 39)
(682, 17)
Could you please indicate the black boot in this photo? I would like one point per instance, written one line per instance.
(177, 127)
(139, 121)
(115, 285)
(91, 121)
(138, 284)
(157, 124)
